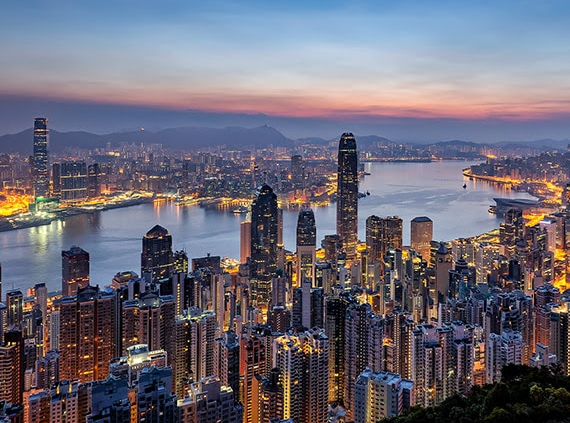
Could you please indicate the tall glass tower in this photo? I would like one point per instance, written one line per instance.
(41, 158)
(306, 246)
(264, 230)
(347, 196)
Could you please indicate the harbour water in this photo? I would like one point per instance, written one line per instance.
(113, 237)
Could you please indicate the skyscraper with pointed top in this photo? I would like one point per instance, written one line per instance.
(347, 195)
(264, 241)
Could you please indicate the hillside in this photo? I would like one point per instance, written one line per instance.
(525, 394)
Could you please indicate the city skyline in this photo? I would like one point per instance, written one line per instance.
(448, 65)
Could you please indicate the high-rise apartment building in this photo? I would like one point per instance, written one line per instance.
(15, 306)
(303, 360)
(88, 322)
(40, 167)
(380, 395)
(157, 256)
(12, 367)
(264, 242)
(421, 236)
(74, 270)
(347, 195)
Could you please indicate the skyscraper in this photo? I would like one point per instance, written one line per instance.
(347, 195)
(306, 246)
(40, 170)
(74, 270)
(297, 171)
(157, 256)
(244, 241)
(381, 235)
(264, 240)
(421, 236)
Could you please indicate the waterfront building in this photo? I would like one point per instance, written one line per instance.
(70, 181)
(347, 195)
(157, 256)
(74, 270)
(40, 166)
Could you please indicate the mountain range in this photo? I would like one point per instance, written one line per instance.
(236, 137)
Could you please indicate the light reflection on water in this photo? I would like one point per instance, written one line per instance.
(113, 238)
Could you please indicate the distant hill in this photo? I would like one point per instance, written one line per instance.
(175, 138)
(237, 137)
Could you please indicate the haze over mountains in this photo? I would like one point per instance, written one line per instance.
(17, 113)
(236, 137)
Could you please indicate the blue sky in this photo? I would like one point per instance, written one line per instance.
(474, 60)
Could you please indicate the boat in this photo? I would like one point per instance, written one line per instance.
(464, 186)
(367, 192)
(240, 210)
(492, 210)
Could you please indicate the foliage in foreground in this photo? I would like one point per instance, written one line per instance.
(525, 394)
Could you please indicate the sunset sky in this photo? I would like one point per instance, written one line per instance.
(353, 61)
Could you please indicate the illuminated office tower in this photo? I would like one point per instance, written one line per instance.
(347, 195)
(381, 395)
(93, 180)
(244, 241)
(264, 242)
(297, 171)
(88, 323)
(40, 168)
(331, 246)
(306, 246)
(157, 256)
(374, 238)
(303, 360)
(381, 235)
(15, 305)
(74, 270)
(12, 367)
(421, 236)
